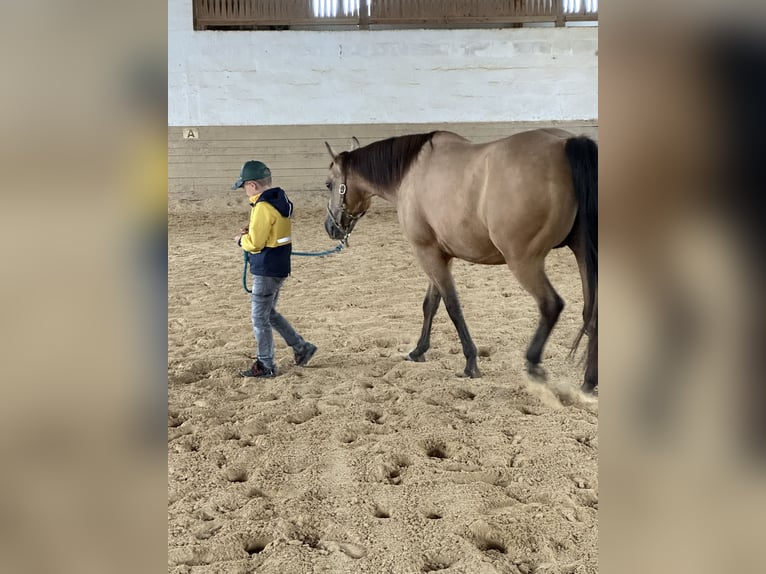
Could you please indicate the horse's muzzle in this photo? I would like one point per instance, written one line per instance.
(332, 229)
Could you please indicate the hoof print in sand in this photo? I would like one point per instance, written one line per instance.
(375, 417)
(257, 545)
(207, 531)
(347, 437)
(236, 474)
(436, 563)
(255, 428)
(379, 512)
(353, 550)
(391, 472)
(463, 394)
(487, 539)
(436, 449)
(394, 476)
(176, 419)
(303, 415)
(228, 433)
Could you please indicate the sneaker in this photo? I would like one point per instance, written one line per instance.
(258, 370)
(303, 357)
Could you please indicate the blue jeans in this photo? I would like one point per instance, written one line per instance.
(263, 302)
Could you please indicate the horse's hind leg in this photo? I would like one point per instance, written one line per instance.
(589, 314)
(430, 306)
(531, 275)
(578, 249)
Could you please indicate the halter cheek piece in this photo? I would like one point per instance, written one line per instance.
(352, 219)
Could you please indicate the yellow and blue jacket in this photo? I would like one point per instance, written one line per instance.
(268, 241)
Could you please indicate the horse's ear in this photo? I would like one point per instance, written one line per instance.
(356, 145)
(333, 155)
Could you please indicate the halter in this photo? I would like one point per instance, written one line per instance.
(352, 218)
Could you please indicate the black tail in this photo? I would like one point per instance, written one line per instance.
(582, 153)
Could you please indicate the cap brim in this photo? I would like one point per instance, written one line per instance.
(237, 184)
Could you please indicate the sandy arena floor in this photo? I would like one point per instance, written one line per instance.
(363, 462)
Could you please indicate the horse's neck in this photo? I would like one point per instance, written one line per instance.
(390, 195)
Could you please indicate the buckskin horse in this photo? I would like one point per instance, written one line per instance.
(508, 201)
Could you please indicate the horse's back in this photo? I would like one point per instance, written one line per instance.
(527, 163)
(535, 151)
(505, 195)
(539, 136)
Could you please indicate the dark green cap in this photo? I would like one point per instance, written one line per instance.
(252, 171)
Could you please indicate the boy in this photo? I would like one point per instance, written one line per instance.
(269, 247)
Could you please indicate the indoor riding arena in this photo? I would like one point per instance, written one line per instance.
(362, 461)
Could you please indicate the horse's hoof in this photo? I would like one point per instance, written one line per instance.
(470, 374)
(415, 358)
(537, 372)
(589, 390)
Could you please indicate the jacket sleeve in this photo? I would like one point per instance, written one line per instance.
(261, 222)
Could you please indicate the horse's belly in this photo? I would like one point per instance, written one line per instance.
(462, 237)
(475, 251)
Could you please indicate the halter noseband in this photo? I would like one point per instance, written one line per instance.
(352, 219)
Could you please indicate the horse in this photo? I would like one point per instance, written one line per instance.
(509, 201)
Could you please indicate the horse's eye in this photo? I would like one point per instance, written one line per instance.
(328, 185)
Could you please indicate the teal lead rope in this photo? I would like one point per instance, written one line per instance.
(244, 273)
(320, 253)
(324, 253)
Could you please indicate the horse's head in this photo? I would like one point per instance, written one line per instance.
(349, 199)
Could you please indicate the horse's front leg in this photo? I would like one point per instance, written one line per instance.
(430, 306)
(452, 303)
(437, 266)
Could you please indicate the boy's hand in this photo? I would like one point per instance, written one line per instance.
(245, 231)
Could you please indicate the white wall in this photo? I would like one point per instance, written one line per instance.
(393, 76)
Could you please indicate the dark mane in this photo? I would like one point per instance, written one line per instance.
(385, 163)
